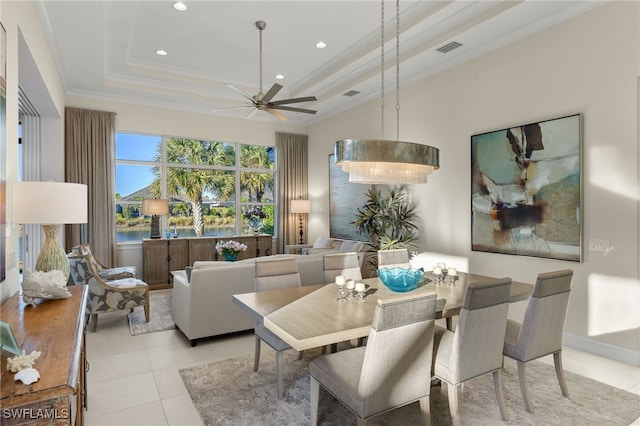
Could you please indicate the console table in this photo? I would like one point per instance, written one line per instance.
(57, 329)
(161, 256)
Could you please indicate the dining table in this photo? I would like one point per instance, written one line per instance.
(311, 316)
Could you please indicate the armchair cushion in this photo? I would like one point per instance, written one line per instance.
(323, 243)
(349, 246)
(117, 273)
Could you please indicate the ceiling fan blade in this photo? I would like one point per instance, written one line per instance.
(277, 114)
(230, 108)
(240, 92)
(294, 100)
(286, 108)
(271, 93)
(251, 113)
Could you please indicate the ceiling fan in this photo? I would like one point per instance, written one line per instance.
(263, 102)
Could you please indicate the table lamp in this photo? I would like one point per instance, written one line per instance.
(155, 208)
(50, 204)
(301, 207)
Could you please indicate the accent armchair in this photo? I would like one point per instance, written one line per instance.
(107, 296)
(105, 272)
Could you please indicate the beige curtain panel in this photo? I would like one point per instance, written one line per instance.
(89, 159)
(293, 170)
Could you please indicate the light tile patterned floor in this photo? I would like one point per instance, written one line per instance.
(134, 380)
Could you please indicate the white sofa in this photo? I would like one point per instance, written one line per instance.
(203, 306)
(367, 255)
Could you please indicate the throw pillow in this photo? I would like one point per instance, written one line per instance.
(44, 285)
(349, 246)
(323, 243)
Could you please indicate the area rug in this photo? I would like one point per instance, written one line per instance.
(229, 392)
(160, 314)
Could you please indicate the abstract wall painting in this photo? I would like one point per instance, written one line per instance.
(344, 199)
(526, 190)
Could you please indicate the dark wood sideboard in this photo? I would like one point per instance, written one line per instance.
(57, 329)
(161, 256)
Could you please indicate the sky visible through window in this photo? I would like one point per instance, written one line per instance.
(134, 147)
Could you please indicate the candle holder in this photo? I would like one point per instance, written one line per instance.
(360, 289)
(351, 284)
(340, 282)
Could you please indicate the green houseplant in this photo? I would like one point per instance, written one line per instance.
(389, 218)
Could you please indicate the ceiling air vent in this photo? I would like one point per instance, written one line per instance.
(351, 93)
(449, 47)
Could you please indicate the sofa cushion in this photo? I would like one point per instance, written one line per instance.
(323, 243)
(349, 246)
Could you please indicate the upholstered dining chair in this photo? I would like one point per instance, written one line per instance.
(541, 331)
(394, 258)
(274, 274)
(105, 272)
(391, 371)
(346, 264)
(475, 347)
(107, 296)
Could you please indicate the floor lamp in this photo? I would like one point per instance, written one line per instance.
(50, 204)
(155, 208)
(301, 207)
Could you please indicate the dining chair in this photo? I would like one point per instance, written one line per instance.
(346, 264)
(395, 258)
(475, 347)
(274, 274)
(542, 328)
(391, 371)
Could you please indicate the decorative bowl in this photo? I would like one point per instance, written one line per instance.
(400, 279)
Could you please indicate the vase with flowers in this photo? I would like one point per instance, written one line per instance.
(230, 249)
(255, 216)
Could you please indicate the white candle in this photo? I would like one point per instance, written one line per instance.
(452, 272)
(437, 270)
(350, 284)
(340, 280)
(442, 266)
(360, 287)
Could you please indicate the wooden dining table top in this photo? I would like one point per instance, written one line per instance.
(310, 316)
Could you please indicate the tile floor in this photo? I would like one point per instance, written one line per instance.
(134, 380)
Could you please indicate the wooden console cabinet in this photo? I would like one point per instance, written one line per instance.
(56, 328)
(161, 256)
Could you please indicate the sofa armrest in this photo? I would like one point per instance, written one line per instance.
(296, 248)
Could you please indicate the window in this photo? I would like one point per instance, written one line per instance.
(212, 186)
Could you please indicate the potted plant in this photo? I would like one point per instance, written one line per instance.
(230, 249)
(389, 219)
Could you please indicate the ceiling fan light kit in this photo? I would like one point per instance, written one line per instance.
(262, 101)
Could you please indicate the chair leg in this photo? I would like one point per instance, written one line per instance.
(497, 384)
(314, 396)
(147, 311)
(279, 386)
(94, 322)
(557, 360)
(425, 409)
(452, 393)
(256, 357)
(522, 375)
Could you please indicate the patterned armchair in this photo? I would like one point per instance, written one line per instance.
(105, 272)
(107, 296)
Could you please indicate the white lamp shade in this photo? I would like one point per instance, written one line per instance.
(300, 206)
(49, 202)
(155, 207)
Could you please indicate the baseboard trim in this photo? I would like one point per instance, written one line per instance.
(628, 356)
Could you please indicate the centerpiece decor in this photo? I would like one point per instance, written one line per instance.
(230, 249)
(255, 217)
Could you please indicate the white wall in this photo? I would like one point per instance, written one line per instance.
(588, 65)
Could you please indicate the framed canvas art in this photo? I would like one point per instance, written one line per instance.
(344, 199)
(3, 157)
(526, 189)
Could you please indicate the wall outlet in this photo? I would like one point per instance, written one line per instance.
(598, 245)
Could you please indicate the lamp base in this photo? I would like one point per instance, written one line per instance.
(52, 255)
(155, 227)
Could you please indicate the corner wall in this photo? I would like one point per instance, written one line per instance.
(588, 65)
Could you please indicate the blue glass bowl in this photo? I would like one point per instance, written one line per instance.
(400, 279)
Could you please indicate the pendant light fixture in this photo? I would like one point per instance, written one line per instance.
(379, 161)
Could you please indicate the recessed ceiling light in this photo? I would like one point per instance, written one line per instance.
(161, 52)
(180, 6)
(280, 77)
(321, 45)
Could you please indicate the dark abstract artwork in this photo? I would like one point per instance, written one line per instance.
(344, 200)
(526, 190)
